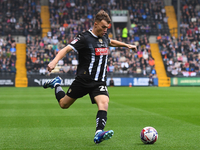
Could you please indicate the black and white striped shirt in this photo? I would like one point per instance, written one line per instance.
(93, 55)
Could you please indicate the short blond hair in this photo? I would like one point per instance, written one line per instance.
(102, 15)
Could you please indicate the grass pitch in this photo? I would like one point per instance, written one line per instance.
(30, 118)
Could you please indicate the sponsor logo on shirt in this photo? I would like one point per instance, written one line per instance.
(74, 41)
(101, 51)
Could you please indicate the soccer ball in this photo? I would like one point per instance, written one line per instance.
(148, 135)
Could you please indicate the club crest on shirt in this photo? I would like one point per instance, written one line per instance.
(69, 91)
(100, 40)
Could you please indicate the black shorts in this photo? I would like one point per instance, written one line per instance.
(79, 89)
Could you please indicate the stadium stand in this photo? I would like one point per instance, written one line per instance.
(16, 18)
(181, 55)
(41, 48)
(69, 18)
(7, 55)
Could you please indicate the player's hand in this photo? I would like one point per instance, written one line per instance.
(133, 47)
(51, 66)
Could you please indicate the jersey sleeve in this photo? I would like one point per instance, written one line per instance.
(78, 43)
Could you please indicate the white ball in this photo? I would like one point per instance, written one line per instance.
(149, 135)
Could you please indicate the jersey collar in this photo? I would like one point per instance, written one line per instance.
(93, 34)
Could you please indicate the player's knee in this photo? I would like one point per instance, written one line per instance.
(64, 106)
(105, 101)
(103, 105)
(106, 106)
(65, 102)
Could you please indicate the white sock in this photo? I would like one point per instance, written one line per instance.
(56, 84)
(97, 131)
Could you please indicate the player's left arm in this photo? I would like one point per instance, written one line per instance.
(115, 43)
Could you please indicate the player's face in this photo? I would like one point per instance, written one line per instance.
(101, 28)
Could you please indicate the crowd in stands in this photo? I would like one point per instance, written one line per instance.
(148, 17)
(17, 17)
(64, 27)
(20, 17)
(7, 55)
(69, 18)
(181, 56)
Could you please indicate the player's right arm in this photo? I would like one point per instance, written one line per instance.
(58, 57)
(77, 44)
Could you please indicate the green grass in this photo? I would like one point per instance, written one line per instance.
(30, 118)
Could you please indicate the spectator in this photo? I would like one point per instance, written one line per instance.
(13, 49)
(196, 69)
(145, 55)
(140, 53)
(7, 30)
(13, 20)
(42, 71)
(17, 27)
(159, 26)
(29, 67)
(136, 38)
(111, 68)
(118, 32)
(151, 83)
(12, 68)
(90, 16)
(165, 19)
(1, 30)
(151, 62)
(138, 70)
(159, 37)
(153, 72)
(74, 62)
(111, 82)
(124, 34)
(66, 68)
(124, 66)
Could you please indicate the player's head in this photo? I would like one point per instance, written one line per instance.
(101, 23)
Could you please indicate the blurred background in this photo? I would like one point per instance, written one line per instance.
(166, 32)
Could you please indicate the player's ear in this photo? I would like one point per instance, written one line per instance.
(95, 23)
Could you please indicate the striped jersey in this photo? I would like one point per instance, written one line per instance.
(93, 56)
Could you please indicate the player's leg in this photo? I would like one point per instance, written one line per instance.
(76, 90)
(102, 102)
(100, 96)
(101, 118)
(63, 100)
